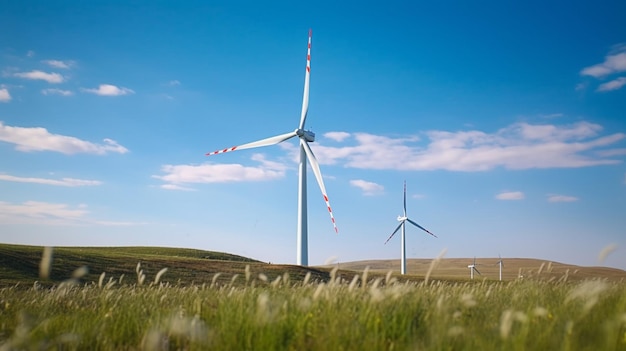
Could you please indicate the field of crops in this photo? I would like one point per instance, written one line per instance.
(253, 312)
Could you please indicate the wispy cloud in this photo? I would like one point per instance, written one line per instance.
(47, 213)
(176, 187)
(613, 85)
(518, 146)
(41, 212)
(176, 176)
(59, 64)
(54, 78)
(5, 96)
(368, 188)
(173, 83)
(510, 195)
(109, 90)
(611, 152)
(39, 139)
(614, 62)
(337, 136)
(53, 91)
(68, 182)
(561, 198)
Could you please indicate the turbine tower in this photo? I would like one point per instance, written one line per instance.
(472, 268)
(306, 137)
(500, 264)
(403, 219)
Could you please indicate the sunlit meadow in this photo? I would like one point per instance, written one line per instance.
(251, 312)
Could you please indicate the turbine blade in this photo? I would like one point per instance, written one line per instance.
(263, 142)
(405, 198)
(476, 270)
(318, 175)
(305, 95)
(420, 227)
(395, 231)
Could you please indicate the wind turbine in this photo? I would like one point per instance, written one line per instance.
(500, 264)
(472, 268)
(306, 137)
(403, 219)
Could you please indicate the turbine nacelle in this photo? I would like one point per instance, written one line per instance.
(402, 218)
(308, 135)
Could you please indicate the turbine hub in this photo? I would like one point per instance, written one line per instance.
(402, 218)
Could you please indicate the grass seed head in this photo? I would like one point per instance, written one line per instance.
(157, 279)
(46, 263)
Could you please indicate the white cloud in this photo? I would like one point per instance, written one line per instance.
(109, 90)
(518, 146)
(615, 84)
(173, 83)
(68, 182)
(53, 91)
(39, 75)
(59, 63)
(368, 188)
(178, 175)
(4, 95)
(176, 187)
(39, 139)
(40, 212)
(337, 136)
(612, 152)
(561, 198)
(511, 195)
(46, 213)
(613, 63)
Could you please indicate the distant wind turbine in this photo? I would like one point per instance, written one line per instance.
(500, 264)
(402, 219)
(306, 136)
(472, 268)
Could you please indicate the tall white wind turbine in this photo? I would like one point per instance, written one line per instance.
(472, 268)
(403, 219)
(500, 264)
(305, 137)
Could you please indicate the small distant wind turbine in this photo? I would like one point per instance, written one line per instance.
(500, 264)
(306, 137)
(472, 268)
(402, 219)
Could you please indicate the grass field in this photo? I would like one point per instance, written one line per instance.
(198, 300)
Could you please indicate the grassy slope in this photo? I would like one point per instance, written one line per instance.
(20, 264)
(456, 268)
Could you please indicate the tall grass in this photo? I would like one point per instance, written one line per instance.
(253, 312)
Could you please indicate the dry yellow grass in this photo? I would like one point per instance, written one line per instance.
(514, 268)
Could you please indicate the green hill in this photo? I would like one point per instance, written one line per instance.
(19, 264)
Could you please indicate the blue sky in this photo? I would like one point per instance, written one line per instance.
(507, 122)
